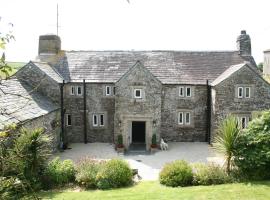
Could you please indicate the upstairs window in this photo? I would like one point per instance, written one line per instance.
(79, 90)
(181, 92)
(247, 92)
(138, 93)
(187, 118)
(188, 92)
(101, 120)
(180, 118)
(240, 92)
(244, 92)
(108, 90)
(72, 90)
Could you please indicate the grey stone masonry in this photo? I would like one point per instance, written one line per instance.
(225, 98)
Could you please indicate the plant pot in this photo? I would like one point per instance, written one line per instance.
(120, 149)
(153, 149)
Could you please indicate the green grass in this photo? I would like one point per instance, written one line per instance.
(155, 191)
(15, 67)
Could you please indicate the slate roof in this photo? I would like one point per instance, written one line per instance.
(170, 67)
(227, 73)
(18, 103)
(49, 70)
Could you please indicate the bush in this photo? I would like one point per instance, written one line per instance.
(87, 170)
(120, 141)
(177, 173)
(252, 155)
(60, 172)
(12, 188)
(114, 174)
(209, 174)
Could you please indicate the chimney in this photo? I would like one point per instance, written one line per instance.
(266, 62)
(244, 44)
(49, 45)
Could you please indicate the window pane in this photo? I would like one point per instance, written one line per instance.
(114, 90)
(72, 90)
(240, 92)
(187, 118)
(79, 90)
(188, 91)
(181, 91)
(247, 92)
(108, 90)
(180, 118)
(95, 122)
(243, 122)
(101, 120)
(69, 120)
(137, 93)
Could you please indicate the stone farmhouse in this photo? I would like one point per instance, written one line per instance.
(177, 95)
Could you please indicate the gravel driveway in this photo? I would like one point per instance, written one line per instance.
(148, 165)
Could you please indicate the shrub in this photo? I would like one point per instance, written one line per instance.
(177, 173)
(226, 139)
(87, 170)
(120, 141)
(252, 155)
(12, 188)
(60, 172)
(114, 174)
(209, 174)
(154, 141)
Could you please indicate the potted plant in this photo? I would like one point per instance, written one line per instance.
(154, 145)
(119, 146)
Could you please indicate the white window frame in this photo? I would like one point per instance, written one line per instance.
(77, 90)
(189, 92)
(68, 116)
(246, 92)
(137, 97)
(106, 90)
(187, 113)
(114, 90)
(95, 116)
(179, 122)
(238, 92)
(72, 90)
(183, 92)
(100, 120)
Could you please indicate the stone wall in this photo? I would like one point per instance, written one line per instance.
(173, 103)
(128, 109)
(97, 103)
(225, 100)
(51, 123)
(40, 82)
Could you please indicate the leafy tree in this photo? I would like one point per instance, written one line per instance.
(260, 66)
(226, 138)
(252, 155)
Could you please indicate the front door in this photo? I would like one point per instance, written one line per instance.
(138, 132)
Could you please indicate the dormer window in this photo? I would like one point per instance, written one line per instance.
(138, 93)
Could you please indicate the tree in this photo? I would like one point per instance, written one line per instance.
(4, 39)
(260, 66)
(226, 138)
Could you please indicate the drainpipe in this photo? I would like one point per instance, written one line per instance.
(208, 113)
(62, 133)
(84, 112)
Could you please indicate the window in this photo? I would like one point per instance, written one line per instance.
(101, 120)
(240, 92)
(243, 121)
(187, 118)
(247, 92)
(188, 92)
(180, 118)
(79, 90)
(114, 90)
(72, 90)
(95, 120)
(184, 118)
(68, 118)
(108, 90)
(138, 93)
(181, 92)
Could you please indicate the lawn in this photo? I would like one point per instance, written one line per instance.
(155, 191)
(15, 67)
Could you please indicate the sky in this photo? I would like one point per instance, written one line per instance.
(136, 25)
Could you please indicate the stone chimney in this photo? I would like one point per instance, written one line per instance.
(266, 62)
(244, 44)
(49, 44)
